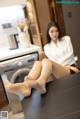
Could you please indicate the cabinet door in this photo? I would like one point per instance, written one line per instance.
(43, 17)
(56, 11)
(34, 27)
(60, 18)
(46, 11)
(3, 96)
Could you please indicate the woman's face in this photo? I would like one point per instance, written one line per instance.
(53, 33)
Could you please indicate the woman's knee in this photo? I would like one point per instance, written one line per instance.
(38, 63)
(46, 61)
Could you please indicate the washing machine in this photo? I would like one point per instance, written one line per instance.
(14, 70)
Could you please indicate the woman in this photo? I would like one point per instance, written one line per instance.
(59, 62)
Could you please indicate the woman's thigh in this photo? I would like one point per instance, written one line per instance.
(59, 70)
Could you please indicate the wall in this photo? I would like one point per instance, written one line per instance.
(3, 41)
(13, 14)
(11, 2)
(71, 15)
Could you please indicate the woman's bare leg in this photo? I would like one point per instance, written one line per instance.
(49, 68)
(60, 70)
(24, 87)
(45, 74)
(17, 88)
(29, 80)
(35, 71)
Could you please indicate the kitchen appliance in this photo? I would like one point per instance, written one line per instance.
(17, 61)
(22, 65)
(11, 61)
(11, 33)
(13, 43)
(10, 66)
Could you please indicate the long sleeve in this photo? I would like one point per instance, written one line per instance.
(69, 54)
(62, 52)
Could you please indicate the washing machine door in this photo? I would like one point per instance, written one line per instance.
(19, 75)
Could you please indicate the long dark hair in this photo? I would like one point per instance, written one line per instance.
(55, 24)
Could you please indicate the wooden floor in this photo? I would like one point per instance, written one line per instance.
(62, 100)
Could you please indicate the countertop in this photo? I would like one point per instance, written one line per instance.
(6, 54)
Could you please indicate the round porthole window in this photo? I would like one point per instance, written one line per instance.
(19, 75)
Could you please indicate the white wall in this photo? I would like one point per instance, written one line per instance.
(11, 2)
(9, 14)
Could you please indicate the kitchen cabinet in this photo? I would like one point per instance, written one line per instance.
(34, 25)
(43, 17)
(3, 96)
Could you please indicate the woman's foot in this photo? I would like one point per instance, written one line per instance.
(29, 82)
(40, 86)
(37, 84)
(18, 88)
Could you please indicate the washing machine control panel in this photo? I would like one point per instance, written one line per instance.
(25, 60)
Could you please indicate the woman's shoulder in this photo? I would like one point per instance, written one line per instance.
(46, 46)
(66, 38)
